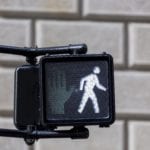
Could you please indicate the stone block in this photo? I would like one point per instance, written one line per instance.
(139, 135)
(99, 36)
(132, 92)
(116, 8)
(14, 33)
(139, 37)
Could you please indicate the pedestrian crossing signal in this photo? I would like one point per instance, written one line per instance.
(88, 83)
(66, 87)
(77, 90)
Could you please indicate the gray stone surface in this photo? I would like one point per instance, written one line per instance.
(98, 36)
(14, 33)
(139, 37)
(132, 92)
(100, 138)
(139, 135)
(6, 89)
(117, 7)
(63, 6)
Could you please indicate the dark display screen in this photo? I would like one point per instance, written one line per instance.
(77, 89)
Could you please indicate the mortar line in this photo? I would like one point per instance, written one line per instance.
(33, 33)
(80, 6)
(32, 147)
(134, 117)
(6, 114)
(126, 46)
(126, 141)
(74, 17)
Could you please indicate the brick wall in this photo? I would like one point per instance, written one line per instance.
(121, 28)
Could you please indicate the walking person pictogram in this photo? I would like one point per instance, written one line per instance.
(87, 84)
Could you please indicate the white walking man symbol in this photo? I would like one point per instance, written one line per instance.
(87, 84)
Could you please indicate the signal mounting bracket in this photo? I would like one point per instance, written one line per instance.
(32, 52)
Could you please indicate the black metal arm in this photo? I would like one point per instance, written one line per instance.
(74, 133)
(34, 52)
(31, 136)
